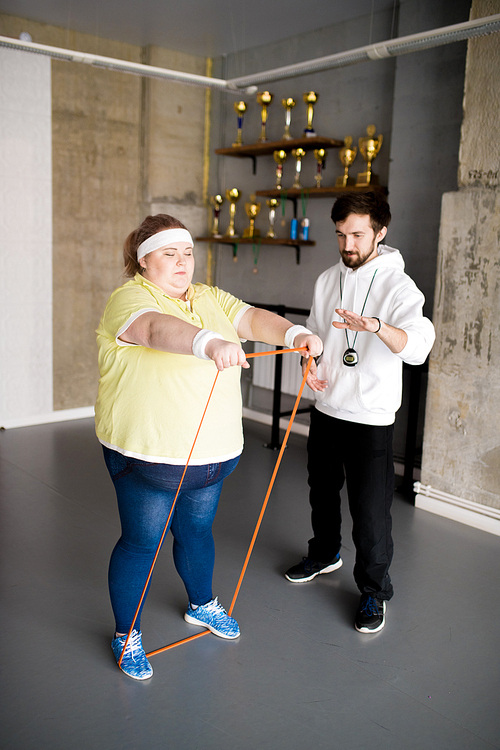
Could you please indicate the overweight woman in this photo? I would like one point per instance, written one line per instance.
(161, 340)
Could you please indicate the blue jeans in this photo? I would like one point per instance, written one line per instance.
(145, 493)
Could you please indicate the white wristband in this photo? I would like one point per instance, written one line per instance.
(292, 333)
(201, 340)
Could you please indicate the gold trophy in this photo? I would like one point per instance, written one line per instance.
(216, 201)
(264, 98)
(346, 156)
(279, 158)
(310, 98)
(233, 197)
(320, 155)
(240, 108)
(252, 210)
(272, 204)
(298, 153)
(369, 148)
(288, 104)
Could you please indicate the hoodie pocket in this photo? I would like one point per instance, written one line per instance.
(353, 390)
(344, 388)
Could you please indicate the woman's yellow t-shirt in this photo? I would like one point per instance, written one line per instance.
(150, 403)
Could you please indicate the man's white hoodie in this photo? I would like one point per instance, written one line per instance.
(370, 392)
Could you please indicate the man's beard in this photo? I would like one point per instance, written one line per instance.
(355, 261)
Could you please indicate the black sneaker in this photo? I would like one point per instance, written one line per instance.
(309, 569)
(370, 617)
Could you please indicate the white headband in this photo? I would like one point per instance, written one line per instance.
(161, 239)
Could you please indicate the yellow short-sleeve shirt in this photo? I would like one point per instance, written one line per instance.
(150, 403)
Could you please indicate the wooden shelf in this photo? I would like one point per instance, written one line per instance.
(254, 240)
(321, 192)
(264, 149)
(235, 241)
(268, 147)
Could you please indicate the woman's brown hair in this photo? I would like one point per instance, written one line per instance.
(151, 225)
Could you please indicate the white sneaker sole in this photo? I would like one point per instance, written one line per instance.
(329, 569)
(135, 677)
(194, 621)
(373, 630)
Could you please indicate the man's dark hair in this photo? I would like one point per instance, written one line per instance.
(372, 204)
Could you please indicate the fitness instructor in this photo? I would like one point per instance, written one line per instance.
(368, 313)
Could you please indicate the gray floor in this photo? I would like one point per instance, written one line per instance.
(300, 677)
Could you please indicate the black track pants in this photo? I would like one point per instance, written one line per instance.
(361, 455)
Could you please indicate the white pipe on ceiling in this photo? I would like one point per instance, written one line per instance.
(247, 84)
(123, 66)
(380, 50)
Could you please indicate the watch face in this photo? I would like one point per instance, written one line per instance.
(350, 358)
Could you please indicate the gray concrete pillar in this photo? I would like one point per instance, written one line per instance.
(461, 455)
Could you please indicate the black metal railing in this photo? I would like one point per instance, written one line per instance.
(413, 398)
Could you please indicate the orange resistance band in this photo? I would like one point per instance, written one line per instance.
(205, 632)
(263, 509)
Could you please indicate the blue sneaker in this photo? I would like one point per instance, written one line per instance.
(214, 617)
(134, 662)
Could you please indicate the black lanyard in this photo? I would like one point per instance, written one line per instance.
(350, 357)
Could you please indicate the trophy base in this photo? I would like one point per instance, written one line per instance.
(344, 181)
(230, 236)
(365, 179)
(310, 133)
(216, 236)
(249, 232)
(235, 144)
(286, 137)
(271, 234)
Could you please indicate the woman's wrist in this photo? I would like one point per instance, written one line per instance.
(292, 333)
(201, 340)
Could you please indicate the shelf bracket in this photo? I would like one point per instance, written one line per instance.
(297, 254)
(254, 162)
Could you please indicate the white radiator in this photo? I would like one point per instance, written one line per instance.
(263, 372)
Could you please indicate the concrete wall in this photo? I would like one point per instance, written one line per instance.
(122, 147)
(349, 100)
(426, 124)
(462, 447)
(174, 140)
(96, 167)
(416, 103)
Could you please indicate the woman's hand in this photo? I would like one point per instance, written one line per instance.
(226, 354)
(312, 343)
